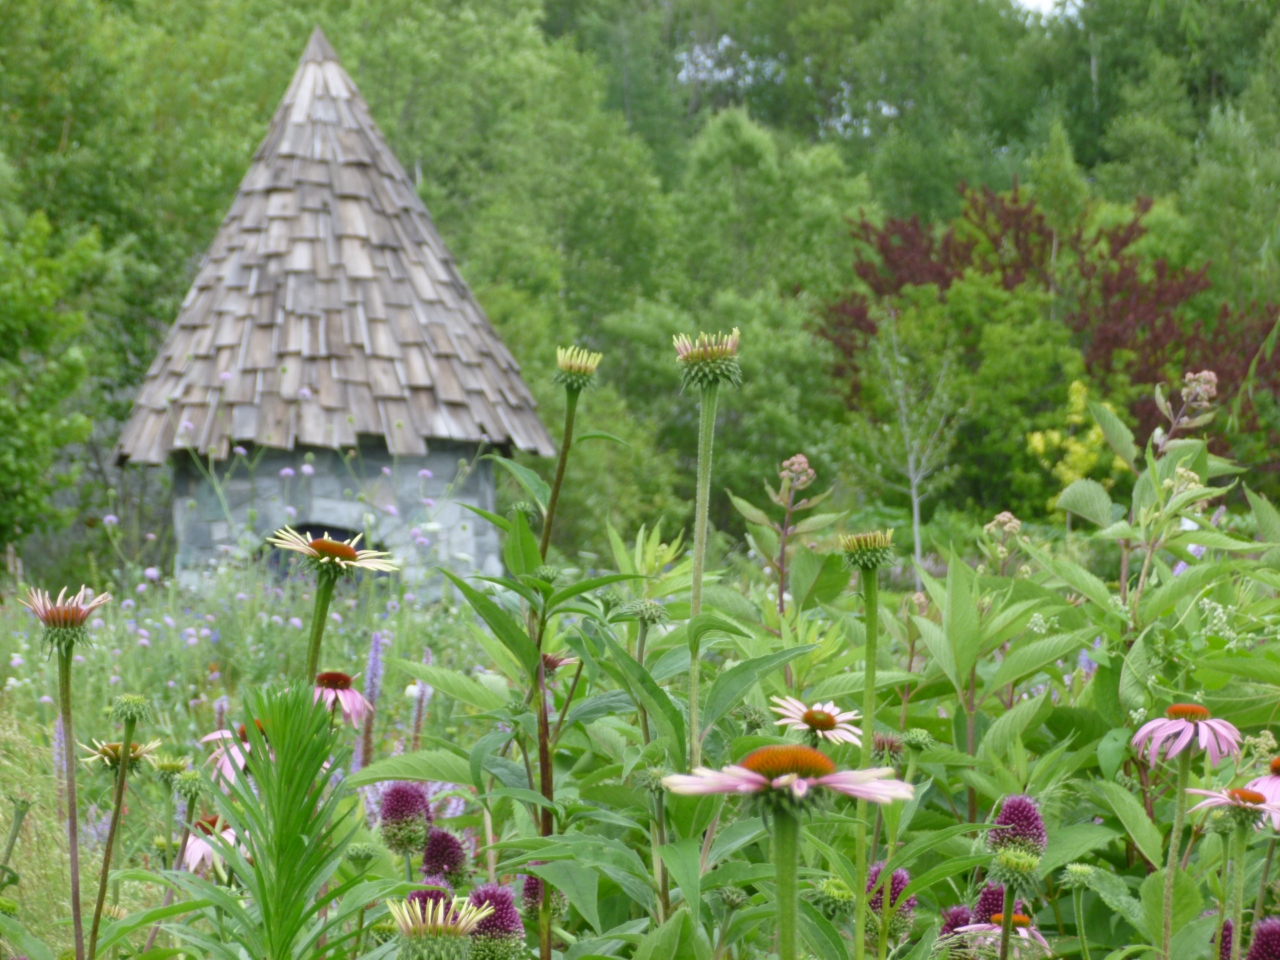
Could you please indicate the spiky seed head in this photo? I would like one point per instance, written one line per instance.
(547, 572)
(754, 718)
(1017, 868)
(650, 778)
(166, 767)
(576, 367)
(646, 611)
(708, 361)
(1220, 823)
(109, 754)
(132, 707)
(361, 854)
(918, 738)
(188, 785)
(834, 898)
(9, 908)
(1076, 876)
(733, 898)
(867, 551)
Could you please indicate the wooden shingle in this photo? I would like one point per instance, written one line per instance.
(328, 306)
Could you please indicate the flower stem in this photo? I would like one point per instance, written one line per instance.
(786, 867)
(1006, 922)
(1077, 899)
(168, 894)
(871, 618)
(566, 443)
(706, 440)
(544, 923)
(1175, 844)
(324, 593)
(1262, 882)
(1237, 890)
(117, 810)
(73, 816)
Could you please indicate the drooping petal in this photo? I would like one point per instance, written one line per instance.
(704, 780)
(875, 785)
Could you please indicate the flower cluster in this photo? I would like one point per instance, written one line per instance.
(500, 935)
(444, 856)
(1019, 841)
(797, 472)
(901, 910)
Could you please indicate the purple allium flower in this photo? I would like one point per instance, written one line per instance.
(423, 897)
(186, 425)
(241, 597)
(336, 617)
(405, 818)
(505, 920)
(428, 502)
(152, 574)
(1266, 940)
(531, 889)
(444, 855)
(990, 902)
(897, 883)
(1224, 948)
(144, 643)
(149, 537)
(1024, 827)
(169, 621)
(953, 918)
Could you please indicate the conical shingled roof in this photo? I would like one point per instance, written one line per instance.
(328, 307)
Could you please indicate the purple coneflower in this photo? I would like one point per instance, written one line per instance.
(200, 851)
(1269, 787)
(334, 688)
(1182, 724)
(790, 772)
(822, 721)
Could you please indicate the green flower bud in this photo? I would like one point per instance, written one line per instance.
(646, 611)
(733, 898)
(834, 899)
(1076, 876)
(189, 785)
(576, 367)
(131, 707)
(867, 551)
(918, 739)
(710, 360)
(1018, 868)
(361, 854)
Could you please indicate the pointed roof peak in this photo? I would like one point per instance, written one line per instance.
(328, 307)
(319, 48)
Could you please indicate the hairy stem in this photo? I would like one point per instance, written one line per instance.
(1175, 844)
(324, 593)
(786, 866)
(1006, 922)
(871, 616)
(706, 439)
(1237, 889)
(1262, 882)
(117, 809)
(544, 923)
(566, 443)
(642, 634)
(168, 894)
(1077, 898)
(73, 816)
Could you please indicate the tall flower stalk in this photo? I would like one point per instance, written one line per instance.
(1076, 878)
(785, 779)
(1182, 727)
(705, 363)
(575, 371)
(130, 710)
(64, 622)
(866, 553)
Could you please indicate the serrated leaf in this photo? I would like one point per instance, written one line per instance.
(749, 510)
(819, 521)
(1267, 516)
(1089, 499)
(1119, 437)
(1127, 807)
(1030, 658)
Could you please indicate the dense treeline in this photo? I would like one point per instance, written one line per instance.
(958, 205)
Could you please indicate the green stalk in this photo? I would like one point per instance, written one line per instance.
(1006, 922)
(706, 440)
(871, 603)
(566, 442)
(20, 808)
(544, 922)
(786, 867)
(1077, 898)
(642, 634)
(1262, 883)
(1175, 844)
(1237, 890)
(166, 859)
(116, 811)
(73, 829)
(408, 868)
(324, 593)
(168, 894)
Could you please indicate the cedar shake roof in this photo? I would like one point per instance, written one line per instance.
(328, 307)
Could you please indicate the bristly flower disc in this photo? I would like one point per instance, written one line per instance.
(329, 557)
(576, 367)
(64, 619)
(867, 551)
(710, 360)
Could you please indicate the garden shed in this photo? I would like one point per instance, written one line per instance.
(329, 368)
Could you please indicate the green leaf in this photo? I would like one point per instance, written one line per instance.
(1070, 843)
(1186, 901)
(731, 686)
(1267, 516)
(118, 930)
(816, 578)
(533, 484)
(580, 886)
(1127, 807)
(944, 871)
(455, 685)
(21, 942)
(684, 859)
(500, 622)
(423, 765)
(855, 681)
(749, 510)
(599, 435)
(1115, 894)
(705, 623)
(819, 521)
(520, 552)
(593, 708)
(1087, 498)
(1256, 668)
(1113, 750)
(819, 933)
(653, 698)
(1119, 436)
(502, 523)
(662, 943)
(586, 586)
(1030, 658)
(1138, 668)
(1013, 723)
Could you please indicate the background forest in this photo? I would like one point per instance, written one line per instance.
(960, 209)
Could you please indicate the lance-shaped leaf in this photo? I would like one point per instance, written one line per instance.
(532, 484)
(501, 623)
(731, 685)
(661, 710)
(455, 685)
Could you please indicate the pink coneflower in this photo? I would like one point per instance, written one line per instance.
(334, 688)
(989, 933)
(229, 757)
(822, 721)
(1238, 798)
(65, 612)
(1182, 724)
(792, 771)
(554, 661)
(1269, 787)
(200, 852)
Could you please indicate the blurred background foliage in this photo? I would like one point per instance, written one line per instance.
(1049, 207)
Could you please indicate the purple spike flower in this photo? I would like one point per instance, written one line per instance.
(953, 918)
(363, 752)
(990, 902)
(1266, 940)
(505, 920)
(1024, 827)
(1224, 947)
(444, 855)
(423, 897)
(897, 883)
(405, 818)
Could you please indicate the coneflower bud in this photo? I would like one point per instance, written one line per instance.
(361, 855)
(1016, 867)
(9, 908)
(1266, 940)
(834, 899)
(753, 718)
(733, 898)
(500, 935)
(918, 739)
(1076, 876)
(886, 748)
(867, 551)
(708, 361)
(646, 611)
(404, 818)
(189, 785)
(547, 573)
(576, 367)
(131, 707)
(444, 856)
(167, 768)
(650, 779)
(1021, 826)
